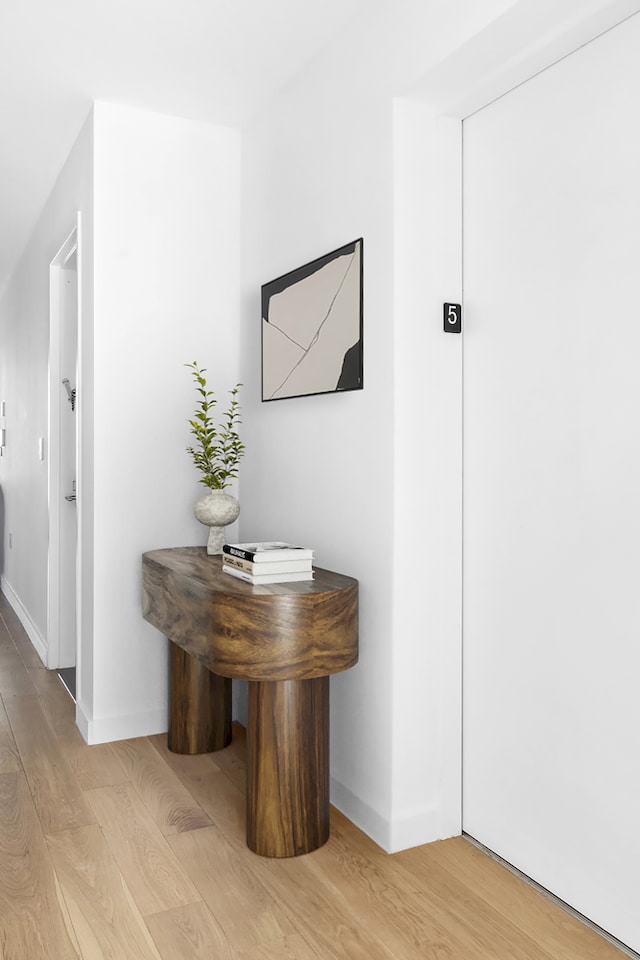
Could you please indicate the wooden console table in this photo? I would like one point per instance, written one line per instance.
(285, 639)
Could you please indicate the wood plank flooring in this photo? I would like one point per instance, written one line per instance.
(130, 852)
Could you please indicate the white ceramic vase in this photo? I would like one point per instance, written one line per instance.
(216, 509)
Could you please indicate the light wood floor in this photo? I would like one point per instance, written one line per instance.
(128, 851)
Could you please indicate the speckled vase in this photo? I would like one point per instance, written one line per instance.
(216, 509)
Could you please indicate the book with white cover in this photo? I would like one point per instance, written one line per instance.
(274, 566)
(267, 550)
(268, 577)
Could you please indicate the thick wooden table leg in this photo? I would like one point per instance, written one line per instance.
(199, 706)
(288, 766)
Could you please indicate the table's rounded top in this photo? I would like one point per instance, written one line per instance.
(299, 630)
(195, 563)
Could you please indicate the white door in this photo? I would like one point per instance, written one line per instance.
(552, 479)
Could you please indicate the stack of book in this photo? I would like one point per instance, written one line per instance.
(271, 561)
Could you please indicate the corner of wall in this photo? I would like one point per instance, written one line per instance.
(361, 814)
(425, 824)
(108, 729)
(167, 226)
(426, 801)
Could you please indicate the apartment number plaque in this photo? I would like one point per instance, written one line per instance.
(452, 315)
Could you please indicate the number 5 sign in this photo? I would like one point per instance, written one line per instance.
(452, 317)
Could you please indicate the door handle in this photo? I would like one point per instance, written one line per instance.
(71, 393)
(70, 497)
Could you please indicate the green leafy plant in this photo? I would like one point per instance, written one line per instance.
(217, 450)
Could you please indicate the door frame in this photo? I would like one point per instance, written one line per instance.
(70, 246)
(528, 38)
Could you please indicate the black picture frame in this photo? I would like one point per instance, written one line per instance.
(312, 327)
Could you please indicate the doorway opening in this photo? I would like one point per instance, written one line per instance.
(63, 596)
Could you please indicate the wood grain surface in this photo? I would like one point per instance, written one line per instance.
(285, 639)
(246, 910)
(290, 948)
(277, 632)
(33, 916)
(288, 767)
(98, 767)
(199, 706)
(117, 890)
(54, 788)
(190, 933)
(14, 679)
(150, 869)
(101, 907)
(9, 756)
(170, 804)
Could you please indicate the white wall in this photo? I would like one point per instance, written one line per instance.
(159, 199)
(353, 474)
(24, 335)
(428, 467)
(373, 480)
(167, 234)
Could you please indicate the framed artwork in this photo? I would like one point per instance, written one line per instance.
(312, 327)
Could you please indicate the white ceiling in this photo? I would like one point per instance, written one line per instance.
(213, 60)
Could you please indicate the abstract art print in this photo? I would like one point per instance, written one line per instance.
(312, 324)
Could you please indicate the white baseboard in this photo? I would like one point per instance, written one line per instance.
(36, 638)
(109, 729)
(424, 826)
(82, 721)
(361, 814)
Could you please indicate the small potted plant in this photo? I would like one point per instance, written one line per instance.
(216, 452)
